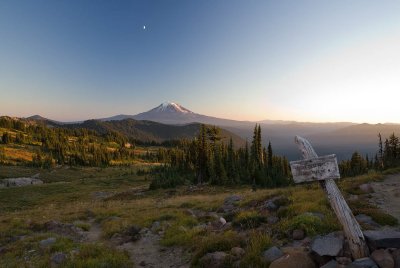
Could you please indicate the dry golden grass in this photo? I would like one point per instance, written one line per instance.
(19, 154)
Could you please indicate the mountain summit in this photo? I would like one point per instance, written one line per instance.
(170, 107)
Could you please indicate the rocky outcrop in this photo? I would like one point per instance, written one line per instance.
(18, 182)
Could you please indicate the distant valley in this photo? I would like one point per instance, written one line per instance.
(171, 121)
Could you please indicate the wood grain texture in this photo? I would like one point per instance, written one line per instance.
(312, 169)
(351, 228)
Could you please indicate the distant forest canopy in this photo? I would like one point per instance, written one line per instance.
(208, 157)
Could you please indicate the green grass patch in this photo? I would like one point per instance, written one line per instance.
(248, 219)
(258, 242)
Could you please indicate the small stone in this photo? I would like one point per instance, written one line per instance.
(58, 257)
(330, 264)
(363, 263)
(383, 258)
(366, 188)
(271, 206)
(272, 254)
(155, 226)
(237, 252)
(272, 219)
(222, 221)
(298, 234)
(343, 260)
(213, 260)
(142, 263)
(327, 246)
(232, 199)
(47, 242)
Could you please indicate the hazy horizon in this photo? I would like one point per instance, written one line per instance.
(302, 61)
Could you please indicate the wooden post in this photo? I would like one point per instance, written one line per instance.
(325, 170)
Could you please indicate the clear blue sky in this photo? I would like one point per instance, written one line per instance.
(302, 60)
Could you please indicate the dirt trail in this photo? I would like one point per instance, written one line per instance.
(94, 233)
(387, 195)
(147, 252)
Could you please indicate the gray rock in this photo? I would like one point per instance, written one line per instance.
(271, 206)
(298, 234)
(214, 260)
(272, 254)
(363, 263)
(366, 188)
(155, 226)
(237, 252)
(327, 246)
(383, 258)
(222, 221)
(343, 260)
(272, 219)
(58, 257)
(330, 264)
(362, 218)
(233, 199)
(294, 259)
(382, 239)
(18, 182)
(47, 242)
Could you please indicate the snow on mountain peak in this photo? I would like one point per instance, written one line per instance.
(172, 107)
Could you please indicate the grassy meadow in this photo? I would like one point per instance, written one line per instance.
(116, 198)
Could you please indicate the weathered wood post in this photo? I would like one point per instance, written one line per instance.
(325, 169)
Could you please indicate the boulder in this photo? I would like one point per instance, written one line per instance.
(298, 234)
(382, 239)
(214, 260)
(327, 246)
(47, 242)
(363, 263)
(237, 252)
(383, 258)
(272, 254)
(294, 259)
(58, 258)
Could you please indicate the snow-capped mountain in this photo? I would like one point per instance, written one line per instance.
(174, 113)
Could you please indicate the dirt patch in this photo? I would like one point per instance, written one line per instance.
(387, 195)
(147, 252)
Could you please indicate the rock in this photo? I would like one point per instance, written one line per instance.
(363, 263)
(330, 264)
(298, 234)
(396, 258)
(142, 263)
(272, 254)
(190, 212)
(119, 239)
(64, 229)
(47, 242)
(327, 246)
(155, 226)
(382, 239)
(366, 188)
(294, 259)
(133, 232)
(18, 182)
(237, 252)
(58, 258)
(343, 260)
(383, 258)
(222, 221)
(362, 218)
(233, 199)
(271, 206)
(272, 219)
(214, 260)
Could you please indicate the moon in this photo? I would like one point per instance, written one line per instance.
(144, 27)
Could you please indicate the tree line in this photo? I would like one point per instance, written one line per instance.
(206, 159)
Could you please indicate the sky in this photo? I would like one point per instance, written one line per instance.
(320, 61)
